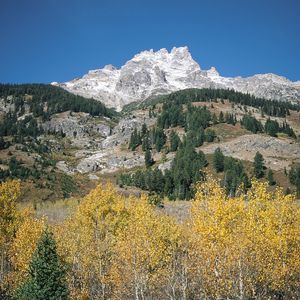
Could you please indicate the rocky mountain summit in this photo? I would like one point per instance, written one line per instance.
(152, 73)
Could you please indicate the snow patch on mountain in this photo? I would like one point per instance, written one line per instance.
(159, 72)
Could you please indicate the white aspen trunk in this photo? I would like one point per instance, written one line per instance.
(241, 281)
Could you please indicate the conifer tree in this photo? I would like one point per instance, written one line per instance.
(135, 140)
(159, 139)
(210, 135)
(271, 127)
(148, 158)
(218, 160)
(146, 142)
(258, 165)
(174, 141)
(221, 117)
(144, 130)
(46, 278)
(270, 177)
(214, 119)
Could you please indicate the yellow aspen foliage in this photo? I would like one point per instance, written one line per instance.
(9, 193)
(246, 246)
(143, 253)
(86, 240)
(243, 247)
(216, 222)
(273, 221)
(23, 245)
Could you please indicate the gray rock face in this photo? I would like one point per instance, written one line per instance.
(62, 166)
(276, 152)
(122, 132)
(152, 73)
(109, 161)
(76, 125)
(112, 154)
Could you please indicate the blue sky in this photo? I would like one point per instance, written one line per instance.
(58, 40)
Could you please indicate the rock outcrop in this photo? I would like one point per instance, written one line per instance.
(277, 153)
(152, 73)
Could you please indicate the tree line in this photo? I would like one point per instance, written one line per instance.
(269, 107)
(45, 100)
(271, 127)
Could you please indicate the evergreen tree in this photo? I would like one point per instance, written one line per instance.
(271, 127)
(174, 141)
(146, 142)
(234, 176)
(135, 140)
(258, 165)
(144, 130)
(148, 158)
(270, 177)
(221, 117)
(251, 124)
(294, 177)
(287, 129)
(210, 135)
(214, 119)
(218, 160)
(46, 279)
(159, 139)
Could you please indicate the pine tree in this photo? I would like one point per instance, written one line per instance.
(174, 141)
(159, 139)
(218, 160)
(148, 158)
(258, 165)
(271, 127)
(270, 177)
(221, 117)
(135, 140)
(46, 274)
(210, 135)
(144, 130)
(214, 119)
(146, 142)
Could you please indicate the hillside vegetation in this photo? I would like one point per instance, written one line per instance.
(30, 143)
(242, 247)
(183, 127)
(60, 144)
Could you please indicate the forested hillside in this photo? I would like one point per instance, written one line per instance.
(269, 107)
(45, 100)
(34, 126)
(183, 127)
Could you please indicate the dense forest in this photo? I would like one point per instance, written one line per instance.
(112, 247)
(45, 100)
(269, 107)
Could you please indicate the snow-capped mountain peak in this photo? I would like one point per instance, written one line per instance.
(158, 72)
(212, 72)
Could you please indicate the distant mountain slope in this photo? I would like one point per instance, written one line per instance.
(45, 100)
(152, 73)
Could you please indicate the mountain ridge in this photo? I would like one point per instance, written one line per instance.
(152, 72)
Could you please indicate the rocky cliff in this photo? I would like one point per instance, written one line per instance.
(151, 73)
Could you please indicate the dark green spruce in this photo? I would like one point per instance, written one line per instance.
(259, 165)
(46, 274)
